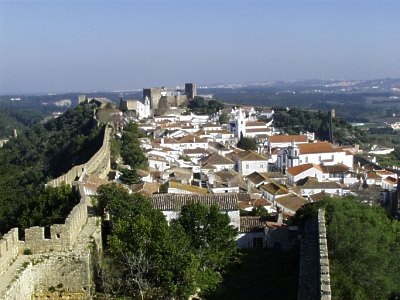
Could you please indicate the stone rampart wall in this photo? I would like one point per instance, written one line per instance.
(9, 249)
(314, 279)
(325, 279)
(100, 158)
(53, 276)
(63, 236)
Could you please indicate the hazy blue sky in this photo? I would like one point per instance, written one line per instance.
(82, 46)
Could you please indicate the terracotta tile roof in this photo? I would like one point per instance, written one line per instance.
(385, 173)
(257, 178)
(250, 124)
(174, 202)
(249, 155)
(224, 176)
(373, 175)
(391, 180)
(187, 187)
(291, 201)
(142, 173)
(216, 159)
(209, 167)
(288, 138)
(274, 175)
(210, 125)
(294, 171)
(191, 139)
(275, 189)
(196, 151)
(222, 131)
(218, 146)
(318, 197)
(338, 168)
(319, 147)
(313, 183)
(252, 224)
(266, 129)
(92, 182)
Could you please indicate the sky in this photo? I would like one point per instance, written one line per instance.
(84, 46)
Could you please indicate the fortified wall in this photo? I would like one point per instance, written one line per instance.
(98, 165)
(314, 279)
(60, 266)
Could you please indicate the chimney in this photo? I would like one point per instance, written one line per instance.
(15, 133)
(279, 215)
(211, 178)
(248, 186)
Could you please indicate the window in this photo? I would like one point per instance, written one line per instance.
(306, 159)
(247, 166)
(261, 166)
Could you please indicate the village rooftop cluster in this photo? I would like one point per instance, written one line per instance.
(197, 158)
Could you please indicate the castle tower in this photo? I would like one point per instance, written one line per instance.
(81, 98)
(190, 90)
(240, 124)
(154, 95)
(146, 107)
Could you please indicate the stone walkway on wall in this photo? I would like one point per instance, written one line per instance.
(8, 276)
(89, 232)
(309, 280)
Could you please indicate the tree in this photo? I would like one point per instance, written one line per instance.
(223, 118)
(212, 238)
(129, 176)
(154, 260)
(247, 144)
(363, 243)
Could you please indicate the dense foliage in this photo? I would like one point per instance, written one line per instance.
(297, 120)
(363, 243)
(200, 106)
(18, 119)
(43, 152)
(131, 152)
(246, 143)
(148, 258)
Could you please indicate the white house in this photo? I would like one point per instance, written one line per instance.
(311, 185)
(171, 204)
(218, 161)
(320, 153)
(249, 161)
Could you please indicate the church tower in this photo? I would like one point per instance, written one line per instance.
(240, 124)
(293, 155)
(146, 112)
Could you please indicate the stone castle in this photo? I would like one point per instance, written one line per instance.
(157, 101)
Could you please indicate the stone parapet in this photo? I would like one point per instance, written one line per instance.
(325, 279)
(314, 279)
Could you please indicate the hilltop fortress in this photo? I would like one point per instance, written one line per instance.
(158, 100)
